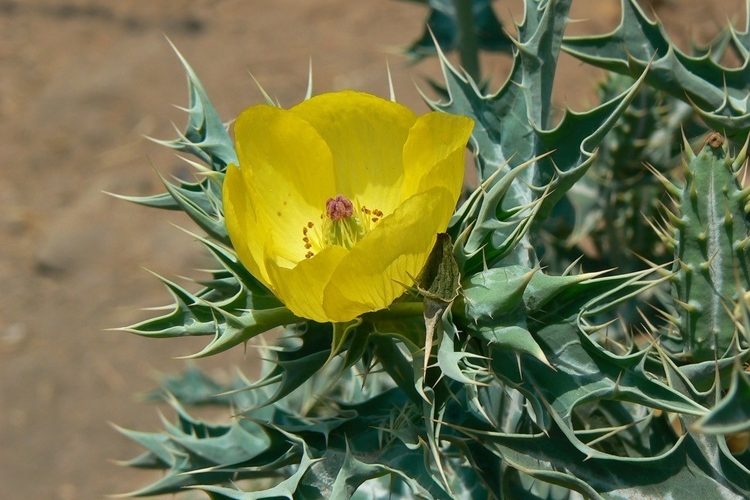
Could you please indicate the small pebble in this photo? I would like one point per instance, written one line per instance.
(13, 337)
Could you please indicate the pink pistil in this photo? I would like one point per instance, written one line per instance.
(339, 208)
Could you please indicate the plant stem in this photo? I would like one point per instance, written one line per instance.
(400, 310)
(468, 47)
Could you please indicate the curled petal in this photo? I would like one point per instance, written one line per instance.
(374, 272)
(301, 287)
(434, 153)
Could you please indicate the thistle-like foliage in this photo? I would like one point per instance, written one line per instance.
(608, 213)
(494, 376)
(718, 93)
(513, 131)
(610, 207)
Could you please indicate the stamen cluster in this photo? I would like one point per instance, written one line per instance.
(342, 224)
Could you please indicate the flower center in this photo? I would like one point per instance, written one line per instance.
(344, 223)
(339, 208)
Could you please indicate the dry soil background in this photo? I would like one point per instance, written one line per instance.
(81, 82)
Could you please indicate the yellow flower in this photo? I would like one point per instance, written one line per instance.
(337, 201)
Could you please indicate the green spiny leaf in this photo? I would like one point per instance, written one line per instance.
(732, 414)
(719, 93)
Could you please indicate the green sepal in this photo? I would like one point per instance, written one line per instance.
(440, 278)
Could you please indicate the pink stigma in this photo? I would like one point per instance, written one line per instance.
(339, 208)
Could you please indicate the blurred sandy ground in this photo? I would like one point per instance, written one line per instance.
(81, 82)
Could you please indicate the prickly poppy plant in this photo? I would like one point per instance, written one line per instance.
(474, 351)
(337, 202)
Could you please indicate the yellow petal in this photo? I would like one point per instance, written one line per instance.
(288, 172)
(242, 225)
(370, 150)
(301, 288)
(366, 135)
(367, 279)
(434, 153)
